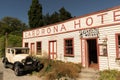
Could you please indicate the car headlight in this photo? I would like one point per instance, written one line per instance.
(23, 61)
(34, 59)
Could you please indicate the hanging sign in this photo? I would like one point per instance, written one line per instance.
(88, 33)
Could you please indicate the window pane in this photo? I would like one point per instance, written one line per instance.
(39, 48)
(26, 44)
(69, 47)
(8, 50)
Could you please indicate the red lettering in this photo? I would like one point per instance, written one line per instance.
(33, 33)
(37, 32)
(29, 34)
(102, 17)
(25, 35)
(77, 23)
(48, 30)
(116, 15)
(89, 21)
(63, 27)
(55, 29)
(43, 31)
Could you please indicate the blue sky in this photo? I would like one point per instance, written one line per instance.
(19, 8)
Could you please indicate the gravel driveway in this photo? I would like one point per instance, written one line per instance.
(8, 74)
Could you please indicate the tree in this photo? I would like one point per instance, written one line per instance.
(47, 19)
(35, 14)
(12, 25)
(3, 29)
(37, 19)
(64, 14)
(14, 28)
(54, 18)
(14, 40)
(50, 19)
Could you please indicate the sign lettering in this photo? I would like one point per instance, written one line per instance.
(88, 33)
(90, 21)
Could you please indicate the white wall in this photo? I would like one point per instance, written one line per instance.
(109, 62)
(108, 28)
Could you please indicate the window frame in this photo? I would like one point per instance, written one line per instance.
(27, 44)
(37, 53)
(66, 54)
(117, 45)
(8, 51)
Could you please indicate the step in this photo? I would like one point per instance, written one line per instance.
(89, 70)
(86, 79)
(89, 74)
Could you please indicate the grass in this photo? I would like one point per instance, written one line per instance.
(58, 69)
(109, 75)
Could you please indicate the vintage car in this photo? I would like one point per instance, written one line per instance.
(18, 59)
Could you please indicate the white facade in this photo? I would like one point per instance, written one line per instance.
(92, 40)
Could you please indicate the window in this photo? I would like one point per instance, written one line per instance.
(26, 44)
(22, 51)
(118, 45)
(39, 48)
(68, 47)
(8, 50)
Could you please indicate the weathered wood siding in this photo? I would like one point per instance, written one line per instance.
(108, 23)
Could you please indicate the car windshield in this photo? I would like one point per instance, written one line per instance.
(22, 51)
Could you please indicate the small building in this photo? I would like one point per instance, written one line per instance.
(92, 39)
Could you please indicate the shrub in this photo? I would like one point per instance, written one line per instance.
(58, 69)
(118, 76)
(109, 75)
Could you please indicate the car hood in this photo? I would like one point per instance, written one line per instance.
(20, 57)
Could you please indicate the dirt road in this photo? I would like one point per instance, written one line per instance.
(8, 74)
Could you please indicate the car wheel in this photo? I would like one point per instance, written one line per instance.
(39, 67)
(17, 71)
(5, 64)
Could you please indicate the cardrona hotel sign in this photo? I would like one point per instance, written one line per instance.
(89, 21)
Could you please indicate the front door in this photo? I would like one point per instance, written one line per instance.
(91, 53)
(32, 49)
(52, 49)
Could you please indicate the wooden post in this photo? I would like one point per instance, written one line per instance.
(6, 41)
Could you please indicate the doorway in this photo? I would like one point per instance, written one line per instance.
(32, 49)
(92, 53)
(52, 49)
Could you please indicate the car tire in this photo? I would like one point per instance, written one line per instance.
(39, 67)
(17, 71)
(5, 62)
